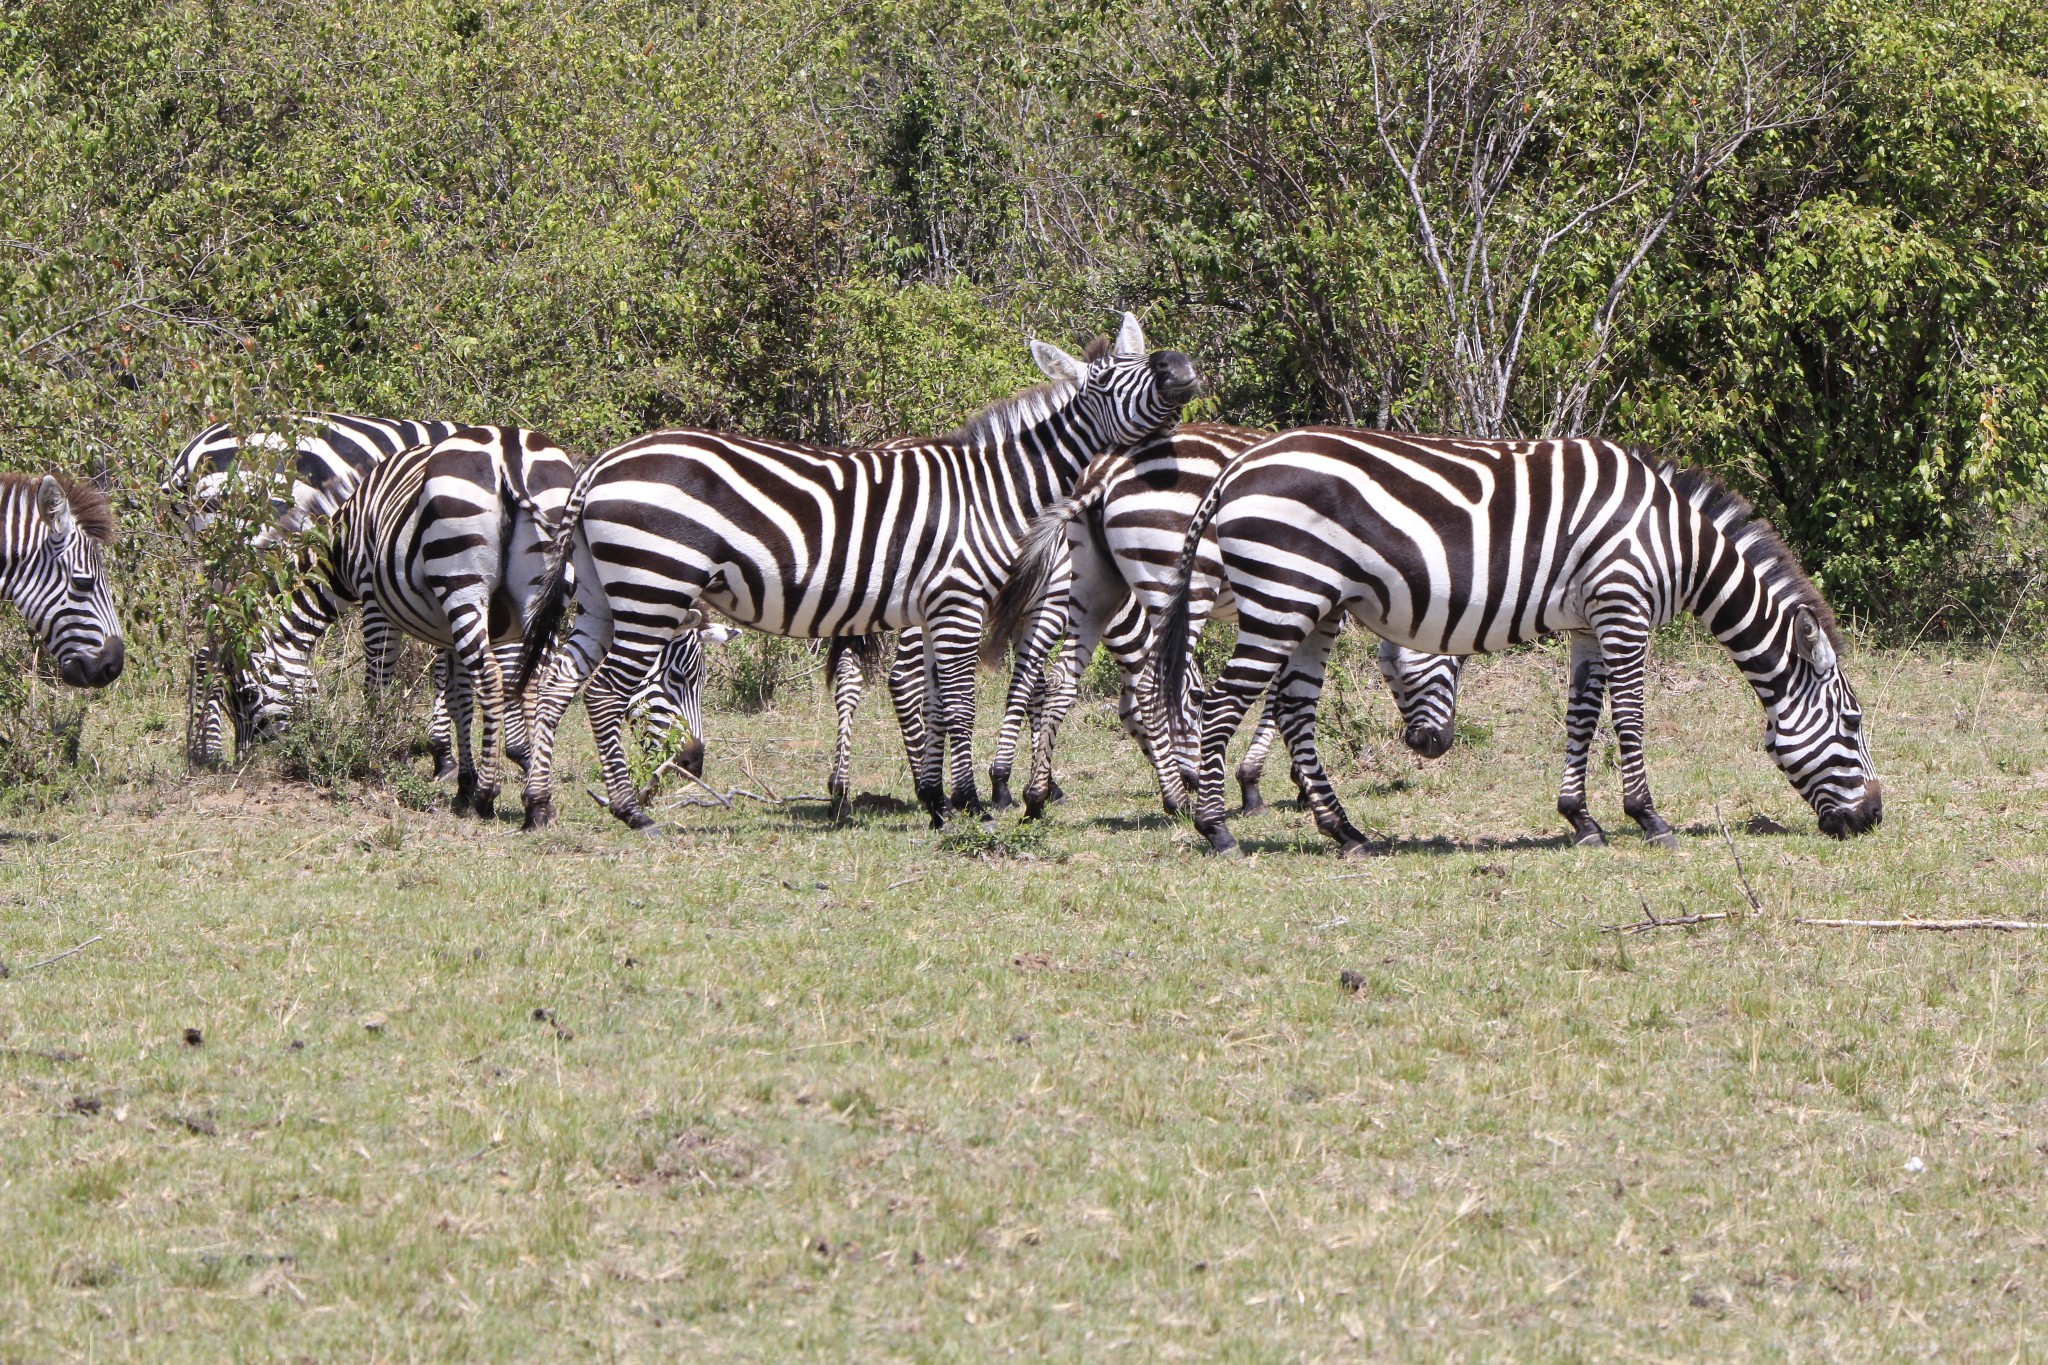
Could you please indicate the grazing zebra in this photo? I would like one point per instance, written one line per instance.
(52, 531)
(1123, 531)
(806, 541)
(674, 693)
(445, 543)
(332, 452)
(1468, 546)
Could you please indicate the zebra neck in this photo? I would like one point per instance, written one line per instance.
(1034, 450)
(1728, 593)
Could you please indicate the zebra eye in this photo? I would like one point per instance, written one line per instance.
(81, 585)
(1853, 723)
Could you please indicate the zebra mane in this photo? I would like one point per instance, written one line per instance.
(1755, 539)
(89, 506)
(1006, 416)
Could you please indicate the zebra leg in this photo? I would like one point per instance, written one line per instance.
(1293, 703)
(1049, 626)
(1627, 652)
(440, 739)
(1581, 717)
(843, 664)
(1252, 767)
(913, 687)
(1259, 657)
(952, 651)
(483, 683)
(514, 720)
(611, 690)
(1129, 638)
(460, 698)
(554, 686)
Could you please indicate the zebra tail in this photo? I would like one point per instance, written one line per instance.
(1030, 578)
(1170, 647)
(552, 601)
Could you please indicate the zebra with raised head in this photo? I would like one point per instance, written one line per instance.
(1467, 546)
(806, 541)
(52, 533)
(446, 543)
(1123, 532)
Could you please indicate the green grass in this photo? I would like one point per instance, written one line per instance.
(773, 1088)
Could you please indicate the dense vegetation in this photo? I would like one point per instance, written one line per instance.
(1804, 244)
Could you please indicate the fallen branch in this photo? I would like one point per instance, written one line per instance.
(66, 953)
(1945, 926)
(1747, 890)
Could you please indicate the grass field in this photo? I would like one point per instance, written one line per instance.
(341, 1080)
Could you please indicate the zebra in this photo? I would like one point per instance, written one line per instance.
(52, 534)
(331, 453)
(673, 694)
(1124, 527)
(1467, 546)
(445, 543)
(814, 542)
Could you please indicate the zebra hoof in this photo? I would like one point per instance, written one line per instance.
(540, 813)
(1663, 838)
(1220, 841)
(1590, 838)
(1355, 852)
(485, 806)
(640, 822)
(445, 770)
(999, 792)
(1254, 799)
(1055, 794)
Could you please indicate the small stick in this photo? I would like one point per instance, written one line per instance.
(66, 953)
(1645, 926)
(2003, 926)
(1747, 889)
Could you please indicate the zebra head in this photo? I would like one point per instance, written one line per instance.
(55, 575)
(1125, 392)
(1425, 687)
(263, 692)
(1813, 729)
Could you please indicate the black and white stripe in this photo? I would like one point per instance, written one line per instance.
(1124, 529)
(330, 452)
(1466, 546)
(805, 541)
(52, 532)
(445, 543)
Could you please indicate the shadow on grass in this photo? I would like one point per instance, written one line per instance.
(31, 836)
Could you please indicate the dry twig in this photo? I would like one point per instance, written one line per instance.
(1645, 926)
(1747, 890)
(66, 953)
(2003, 926)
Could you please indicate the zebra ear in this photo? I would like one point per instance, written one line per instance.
(56, 509)
(1130, 338)
(1059, 367)
(1811, 642)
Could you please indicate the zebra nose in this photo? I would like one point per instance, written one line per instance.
(93, 670)
(1175, 374)
(1431, 741)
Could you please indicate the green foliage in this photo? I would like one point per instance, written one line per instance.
(747, 673)
(42, 722)
(838, 224)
